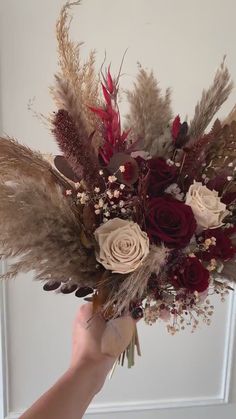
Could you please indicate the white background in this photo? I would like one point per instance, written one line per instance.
(183, 42)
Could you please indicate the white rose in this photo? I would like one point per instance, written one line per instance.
(207, 207)
(122, 245)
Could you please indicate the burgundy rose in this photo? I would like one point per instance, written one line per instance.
(223, 248)
(161, 175)
(191, 275)
(170, 221)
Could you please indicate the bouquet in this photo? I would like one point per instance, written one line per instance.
(137, 218)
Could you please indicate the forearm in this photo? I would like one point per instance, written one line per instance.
(71, 395)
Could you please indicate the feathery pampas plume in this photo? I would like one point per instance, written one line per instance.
(77, 85)
(37, 222)
(150, 112)
(17, 160)
(211, 101)
(39, 225)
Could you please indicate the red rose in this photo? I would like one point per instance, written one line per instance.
(161, 175)
(223, 249)
(191, 275)
(170, 221)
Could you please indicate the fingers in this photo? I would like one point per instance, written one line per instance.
(117, 336)
(114, 335)
(90, 321)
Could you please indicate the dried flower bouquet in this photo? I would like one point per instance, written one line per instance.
(140, 219)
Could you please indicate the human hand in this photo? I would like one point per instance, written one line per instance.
(96, 345)
(97, 342)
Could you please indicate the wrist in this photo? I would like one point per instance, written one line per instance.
(96, 373)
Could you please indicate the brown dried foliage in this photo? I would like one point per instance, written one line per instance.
(193, 159)
(213, 155)
(221, 155)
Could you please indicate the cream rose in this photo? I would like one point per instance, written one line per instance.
(206, 205)
(122, 245)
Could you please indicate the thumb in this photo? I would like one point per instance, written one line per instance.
(117, 335)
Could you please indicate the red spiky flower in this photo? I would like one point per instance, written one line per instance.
(110, 116)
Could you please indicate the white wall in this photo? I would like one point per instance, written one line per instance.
(183, 42)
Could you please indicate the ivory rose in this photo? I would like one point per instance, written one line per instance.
(122, 245)
(206, 205)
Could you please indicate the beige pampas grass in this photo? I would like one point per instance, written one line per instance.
(150, 112)
(211, 101)
(77, 85)
(37, 222)
(39, 226)
(134, 286)
(17, 160)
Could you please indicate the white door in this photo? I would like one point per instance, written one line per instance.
(185, 376)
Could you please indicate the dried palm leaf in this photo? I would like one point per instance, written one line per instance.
(211, 101)
(150, 112)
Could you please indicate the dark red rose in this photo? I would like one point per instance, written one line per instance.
(170, 221)
(191, 275)
(161, 175)
(223, 249)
